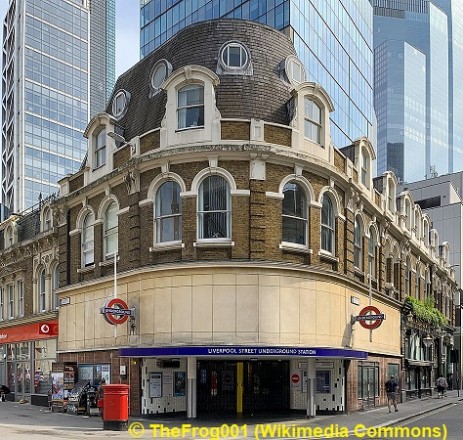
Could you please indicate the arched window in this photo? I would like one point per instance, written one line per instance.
(88, 257)
(365, 168)
(426, 233)
(99, 149)
(214, 212)
(294, 214)
(358, 233)
(110, 230)
(408, 219)
(372, 253)
(47, 219)
(408, 277)
(390, 195)
(417, 225)
(9, 237)
(190, 108)
(55, 286)
(42, 292)
(168, 213)
(417, 282)
(327, 225)
(312, 121)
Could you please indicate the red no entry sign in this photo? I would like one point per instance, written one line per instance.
(370, 317)
(295, 378)
(116, 311)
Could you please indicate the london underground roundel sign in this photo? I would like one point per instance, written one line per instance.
(116, 311)
(370, 317)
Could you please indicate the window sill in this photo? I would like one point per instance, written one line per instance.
(194, 127)
(214, 243)
(108, 262)
(293, 247)
(99, 167)
(326, 256)
(167, 246)
(358, 272)
(87, 269)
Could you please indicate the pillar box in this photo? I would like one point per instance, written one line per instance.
(116, 407)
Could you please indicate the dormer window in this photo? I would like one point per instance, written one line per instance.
(313, 121)
(234, 59)
(159, 73)
(120, 103)
(294, 70)
(46, 220)
(191, 106)
(9, 237)
(100, 148)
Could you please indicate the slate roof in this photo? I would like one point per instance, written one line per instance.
(262, 95)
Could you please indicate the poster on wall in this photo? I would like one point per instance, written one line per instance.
(102, 372)
(167, 383)
(57, 385)
(179, 384)
(156, 385)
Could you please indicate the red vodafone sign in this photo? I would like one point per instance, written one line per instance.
(295, 378)
(116, 311)
(370, 317)
(48, 328)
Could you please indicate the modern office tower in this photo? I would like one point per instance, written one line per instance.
(400, 105)
(48, 54)
(435, 28)
(333, 38)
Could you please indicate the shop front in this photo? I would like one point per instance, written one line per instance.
(202, 380)
(27, 353)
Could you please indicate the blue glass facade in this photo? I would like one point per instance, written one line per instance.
(400, 103)
(429, 27)
(46, 109)
(333, 38)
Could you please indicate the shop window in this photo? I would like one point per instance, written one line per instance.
(110, 230)
(95, 373)
(168, 213)
(214, 208)
(294, 214)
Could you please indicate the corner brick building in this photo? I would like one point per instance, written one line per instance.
(213, 206)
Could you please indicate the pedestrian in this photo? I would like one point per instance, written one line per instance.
(391, 392)
(441, 384)
(100, 396)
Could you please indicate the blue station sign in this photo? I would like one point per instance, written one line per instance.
(240, 350)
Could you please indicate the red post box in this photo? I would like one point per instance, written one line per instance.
(116, 407)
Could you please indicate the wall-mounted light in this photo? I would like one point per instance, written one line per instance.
(428, 340)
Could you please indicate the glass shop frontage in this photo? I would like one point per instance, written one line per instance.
(27, 353)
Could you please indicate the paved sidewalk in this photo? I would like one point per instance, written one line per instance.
(26, 421)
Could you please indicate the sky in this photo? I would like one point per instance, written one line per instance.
(127, 32)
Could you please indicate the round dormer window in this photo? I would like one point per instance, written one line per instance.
(294, 70)
(161, 70)
(120, 103)
(234, 56)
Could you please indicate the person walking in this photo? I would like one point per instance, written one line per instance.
(441, 384)
(391, 392)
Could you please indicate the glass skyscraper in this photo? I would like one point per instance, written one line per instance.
(333, 38)
(433, 28)
(48, 57)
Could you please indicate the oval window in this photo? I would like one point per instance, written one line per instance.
(120, 103)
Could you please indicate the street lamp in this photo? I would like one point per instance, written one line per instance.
(117, 137)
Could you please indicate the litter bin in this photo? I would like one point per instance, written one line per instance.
(116, 407)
